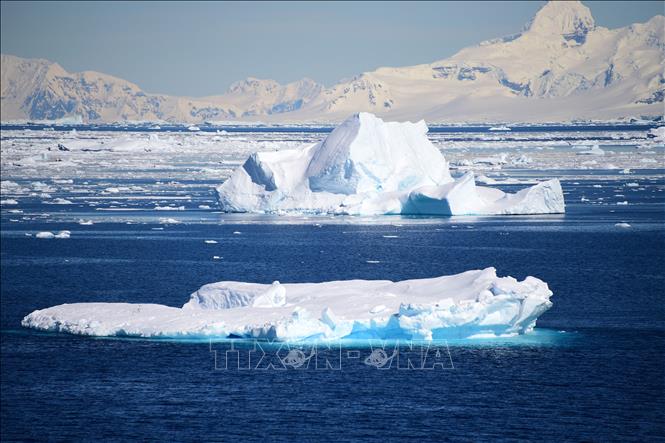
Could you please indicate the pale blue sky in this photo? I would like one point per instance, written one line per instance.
(199, 48)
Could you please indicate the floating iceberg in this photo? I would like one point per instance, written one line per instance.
(370, 167)
(467, 305)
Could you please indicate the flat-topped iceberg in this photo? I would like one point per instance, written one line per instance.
(370, 167)
(467, 305)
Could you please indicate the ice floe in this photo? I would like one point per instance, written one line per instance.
(594, 150)
(470, 304)
(48, 234)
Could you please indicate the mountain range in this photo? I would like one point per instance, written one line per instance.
(560, 67)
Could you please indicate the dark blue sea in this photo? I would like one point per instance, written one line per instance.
(593, 370)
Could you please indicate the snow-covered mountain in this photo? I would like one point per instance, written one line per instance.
(42, 90)
(560, 67)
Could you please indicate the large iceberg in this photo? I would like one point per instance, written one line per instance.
(370, 167)
(467, 305)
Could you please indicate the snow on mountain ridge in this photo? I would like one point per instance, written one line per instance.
(570, 19)
(560, 67)
(253, 96)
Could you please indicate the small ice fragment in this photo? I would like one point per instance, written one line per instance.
(372, 261)
(45, 234)
(211, 242)
(594, 150)
(622, 225)
(237, 232)
(169, 208)
(60, 201)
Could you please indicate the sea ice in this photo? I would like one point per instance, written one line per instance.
(48, 234)
(594, 150)
(470, 304)
(369, 167)
(658, 134)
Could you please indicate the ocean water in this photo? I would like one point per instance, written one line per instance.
(592, 371)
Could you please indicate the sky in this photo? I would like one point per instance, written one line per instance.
(200, 48)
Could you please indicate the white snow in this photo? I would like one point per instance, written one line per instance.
(369, 167)
(465, 305)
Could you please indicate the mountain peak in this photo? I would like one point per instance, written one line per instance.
(570, 19)
(253, 85)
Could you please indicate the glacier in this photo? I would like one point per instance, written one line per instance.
(366, 166)
(473, 304)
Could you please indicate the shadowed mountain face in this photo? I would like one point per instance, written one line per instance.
(561, 66)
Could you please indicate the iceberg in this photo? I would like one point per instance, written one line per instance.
(370, 167)
(471, 304)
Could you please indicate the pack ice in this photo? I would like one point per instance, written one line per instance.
(370, 167)
(468, 305)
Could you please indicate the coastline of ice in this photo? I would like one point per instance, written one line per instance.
(367, 166)
(467, 305)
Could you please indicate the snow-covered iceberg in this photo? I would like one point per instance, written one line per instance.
(467, 305)
(370, 167)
